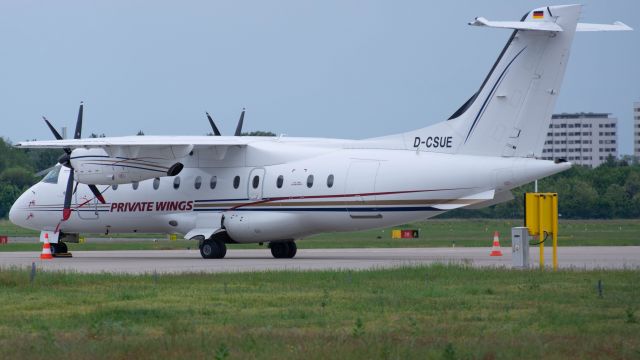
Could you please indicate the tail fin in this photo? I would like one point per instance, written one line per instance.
(510, 114)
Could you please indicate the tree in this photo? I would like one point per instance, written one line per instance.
(258, 133)
(8, 195)
(17, 176)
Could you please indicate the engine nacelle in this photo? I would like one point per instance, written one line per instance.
(97, 167)
(264, 226)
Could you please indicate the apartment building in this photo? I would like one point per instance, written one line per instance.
(583, 138)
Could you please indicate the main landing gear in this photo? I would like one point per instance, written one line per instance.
(213, 249)
(283, 250)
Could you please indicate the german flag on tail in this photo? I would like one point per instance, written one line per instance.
(538, 14)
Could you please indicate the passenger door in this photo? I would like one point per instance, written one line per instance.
(256, 178)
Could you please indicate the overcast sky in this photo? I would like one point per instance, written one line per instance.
(330, 68)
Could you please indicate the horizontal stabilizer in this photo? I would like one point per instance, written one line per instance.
(518, 25)
(616, 26)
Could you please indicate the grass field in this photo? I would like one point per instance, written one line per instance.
(433, 233)
(440, 312)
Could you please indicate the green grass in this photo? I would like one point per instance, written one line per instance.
(434, 233)
(440, 312)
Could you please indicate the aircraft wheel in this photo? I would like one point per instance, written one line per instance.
(213, 249)
(62, 248)
(293, 249)
(283, 250)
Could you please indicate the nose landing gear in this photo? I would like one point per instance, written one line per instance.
(60, 249)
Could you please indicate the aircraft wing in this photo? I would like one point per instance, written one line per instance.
(154, 141)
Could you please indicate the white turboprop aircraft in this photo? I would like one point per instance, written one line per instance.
(232, 189)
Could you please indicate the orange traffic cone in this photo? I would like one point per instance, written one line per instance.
(46, 249)
(495, 250)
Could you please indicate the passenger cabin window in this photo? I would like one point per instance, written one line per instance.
(198, 182)
(156, 183)
(114, 187)
(330, 181)
(134, 185)
(236, 182)
(52, 176)
(176, 183)
(213, 182)
(309, 181)
(280, 181)
(255, 182)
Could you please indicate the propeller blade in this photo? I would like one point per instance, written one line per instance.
(239, 127)
(97, 193)
(216, 132)
(44, 172)
(66, 210)
(78, 133)
(55, 132)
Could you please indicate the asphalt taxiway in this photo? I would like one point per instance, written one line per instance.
(177, 261)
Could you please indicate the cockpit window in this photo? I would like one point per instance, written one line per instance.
(52, 176)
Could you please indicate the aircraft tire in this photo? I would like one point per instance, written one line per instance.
(283, 250)
(62, 248)
(293, 249)
(213, 249)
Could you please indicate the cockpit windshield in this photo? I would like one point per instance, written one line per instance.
(52, 176)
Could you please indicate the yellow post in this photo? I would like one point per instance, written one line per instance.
(541, 229)
(554, 228)
(541, 218)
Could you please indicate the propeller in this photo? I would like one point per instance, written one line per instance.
(240, 122)
(65, 160)
(216, 132)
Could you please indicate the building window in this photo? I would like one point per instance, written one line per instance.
(176, 183)
(213, 182)
(309, 181)
(236, 182)
(156, 183)
(197, 183)
(279, 181)
(134, 185)
(255, 182)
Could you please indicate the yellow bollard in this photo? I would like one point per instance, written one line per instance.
(541, 218)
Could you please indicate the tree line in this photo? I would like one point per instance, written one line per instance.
(611, 190)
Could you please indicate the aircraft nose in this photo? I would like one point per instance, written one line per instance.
(17, 212)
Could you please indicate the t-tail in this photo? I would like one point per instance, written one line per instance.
(510, 114)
